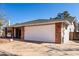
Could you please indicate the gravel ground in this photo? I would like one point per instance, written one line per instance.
(19, 48)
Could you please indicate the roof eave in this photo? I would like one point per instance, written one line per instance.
(50, 22)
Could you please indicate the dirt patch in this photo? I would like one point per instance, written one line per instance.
(20, 48)
(4, 41)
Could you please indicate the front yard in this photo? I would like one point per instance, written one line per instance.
(19, 48)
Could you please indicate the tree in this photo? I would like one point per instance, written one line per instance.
(59, 15)
(63, 15)
(66, 14)
(3, 21)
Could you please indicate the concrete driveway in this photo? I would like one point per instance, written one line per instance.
(19, 48)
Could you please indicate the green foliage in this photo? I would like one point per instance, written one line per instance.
(0, 23)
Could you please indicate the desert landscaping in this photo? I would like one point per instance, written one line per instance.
(20, 48)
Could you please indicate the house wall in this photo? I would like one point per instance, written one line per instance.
(45, 33)
(66, 35)
(66, 32)
(71, 28)
(15, 32)
(22, 33)
(58, 32)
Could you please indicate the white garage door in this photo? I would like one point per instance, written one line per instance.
(45, 33)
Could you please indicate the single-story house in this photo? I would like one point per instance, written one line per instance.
(44, 30)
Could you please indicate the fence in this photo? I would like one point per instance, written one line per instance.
(74, 36)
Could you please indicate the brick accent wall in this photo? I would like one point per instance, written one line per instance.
(22, 33)
(5, 34)
(58, 33)
(12, 32)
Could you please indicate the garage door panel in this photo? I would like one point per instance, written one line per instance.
(44, 33)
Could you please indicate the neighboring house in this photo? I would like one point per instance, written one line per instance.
(44, 30)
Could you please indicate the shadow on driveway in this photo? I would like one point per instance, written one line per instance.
(2, 53)
(66, 49)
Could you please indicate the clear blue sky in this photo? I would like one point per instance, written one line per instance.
(29, 11)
